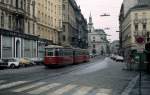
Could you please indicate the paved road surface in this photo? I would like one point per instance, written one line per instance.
(101, 76)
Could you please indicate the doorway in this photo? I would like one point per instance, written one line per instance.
(18, 49)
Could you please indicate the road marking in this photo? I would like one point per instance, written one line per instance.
(102, 94)
(8, 85)
(28, 87)
(63, 90)
(130, 86)
(83, 90)
(44, 88)
(2, 81)
(103, 91)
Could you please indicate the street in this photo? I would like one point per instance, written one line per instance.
(100, 76)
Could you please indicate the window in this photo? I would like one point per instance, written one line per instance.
(49, 52)
(64, 28)
(2, 1)
(93, 46)
(64, 6)
(9, 22)
(21, 3)
(2, 20)
(144, 26)
(56, 52)
(28, 27)
(94, 38)
(136, 27)
(64, 38)
(7, 1)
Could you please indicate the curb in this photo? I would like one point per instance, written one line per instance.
(130, 86)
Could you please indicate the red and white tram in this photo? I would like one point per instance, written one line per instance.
(58, 55)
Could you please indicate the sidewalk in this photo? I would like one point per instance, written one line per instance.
(145, 86)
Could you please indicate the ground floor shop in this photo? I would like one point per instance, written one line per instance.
(17, 47)
(12, 46)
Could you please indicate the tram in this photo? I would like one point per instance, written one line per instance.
(57, 55)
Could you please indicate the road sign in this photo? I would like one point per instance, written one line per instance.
(140, 40)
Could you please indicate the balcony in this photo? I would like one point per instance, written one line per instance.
(11, 8)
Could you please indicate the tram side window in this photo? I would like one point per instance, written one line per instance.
(60, 52)
(56, 53)
(68, 52)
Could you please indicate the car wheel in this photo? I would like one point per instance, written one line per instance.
(12, 66)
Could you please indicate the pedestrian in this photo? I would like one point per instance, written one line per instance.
(130, 62)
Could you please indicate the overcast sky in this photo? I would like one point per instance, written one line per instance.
(98, 7)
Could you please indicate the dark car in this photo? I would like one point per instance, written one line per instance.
(3, 63)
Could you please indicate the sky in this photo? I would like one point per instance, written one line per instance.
(99, 7)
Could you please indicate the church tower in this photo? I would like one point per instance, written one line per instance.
(90, 24)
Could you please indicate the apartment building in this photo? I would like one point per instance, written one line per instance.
(17, 29)
(134, 24)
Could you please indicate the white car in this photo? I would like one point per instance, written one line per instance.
(37, 60)
(12, 63)
(119, 58)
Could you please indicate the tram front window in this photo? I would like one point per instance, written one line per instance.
(50, 52)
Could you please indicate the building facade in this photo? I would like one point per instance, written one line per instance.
(49, 23)
(134, 24)
(49, 19)
(17, 29)
(97, 40)
(114, 47)
(69, 22)
(75, 33)
(80, 39)
(128, 4)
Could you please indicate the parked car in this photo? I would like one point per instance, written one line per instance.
(10, 63)
(119, 58)
(113, 56)
(91, 55)
(3, 63)
(37, 60)
(25, 62)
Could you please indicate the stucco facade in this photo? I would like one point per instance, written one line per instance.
(75, 33)
(135, 23)
(17, 29)
(49, 19)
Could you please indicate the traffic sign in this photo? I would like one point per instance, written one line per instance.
(140, 40)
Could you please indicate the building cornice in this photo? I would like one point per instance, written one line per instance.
(136, 8)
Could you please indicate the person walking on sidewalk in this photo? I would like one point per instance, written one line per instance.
(130, 62)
